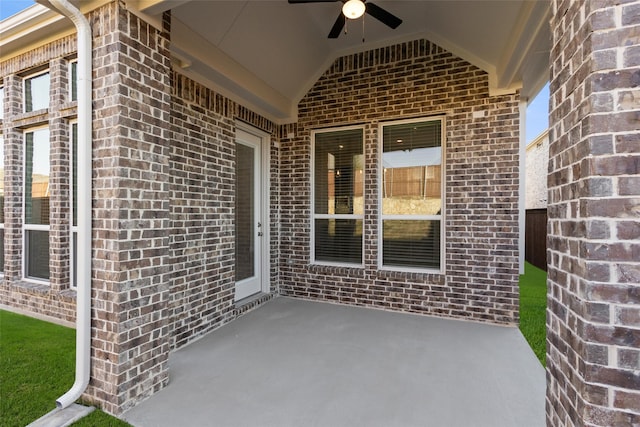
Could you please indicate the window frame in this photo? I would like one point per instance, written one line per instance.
(32, 227)
(73, 62)
(441, 217)
(73, 229)
(24, 89)
(1, 101)
(315, 216)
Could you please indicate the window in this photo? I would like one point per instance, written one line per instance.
(411, 194)
(36, 92)
(74, 205)
(1, 103)
(338, 183)
(1, 205)
(73, 72)
(36, 204)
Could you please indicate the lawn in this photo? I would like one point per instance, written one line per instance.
(37, 363)
(533, 306)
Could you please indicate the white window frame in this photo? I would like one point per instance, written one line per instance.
(24, 90)
(71, 63)
(315, 216)
(440, 217)
(72, 228)
(1, 102)
(31, 227)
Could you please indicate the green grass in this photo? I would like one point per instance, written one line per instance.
(533, 305)
(37, 364)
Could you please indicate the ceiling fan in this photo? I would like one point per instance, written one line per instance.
(353, 9)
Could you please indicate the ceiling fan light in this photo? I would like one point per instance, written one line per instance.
(353, 9)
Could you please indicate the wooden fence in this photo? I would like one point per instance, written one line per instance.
(535, 238)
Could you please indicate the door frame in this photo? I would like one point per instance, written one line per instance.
(265, 192)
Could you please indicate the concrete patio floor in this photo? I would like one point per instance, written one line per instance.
(301, 363)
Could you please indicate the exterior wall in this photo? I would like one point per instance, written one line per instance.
(411, 80)
(537, 167)
(202, 247)
(593, 316)
(131, 269)
(55, 299)
(163, 203)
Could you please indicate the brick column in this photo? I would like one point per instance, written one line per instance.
(59, 84)
(59, 238)
(13, 180)
(593, 319)
(131, 97)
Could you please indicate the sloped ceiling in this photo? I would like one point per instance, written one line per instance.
(268, 53)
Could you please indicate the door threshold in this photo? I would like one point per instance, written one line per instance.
(253, 301)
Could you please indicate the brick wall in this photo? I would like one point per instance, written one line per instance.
(54, 299)
(163, 203)
(131, 269)
(202, 243)
(409, 80)
(537, 167)
(593, 361)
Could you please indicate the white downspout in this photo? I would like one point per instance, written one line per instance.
(83, 298)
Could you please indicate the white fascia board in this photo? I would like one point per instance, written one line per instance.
(34, 19)
(36, 26)
(155, 7)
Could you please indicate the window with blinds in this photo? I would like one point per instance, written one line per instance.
(36, 92)
(338, 184)
(411, 189)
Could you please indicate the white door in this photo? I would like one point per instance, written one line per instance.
(249, 215)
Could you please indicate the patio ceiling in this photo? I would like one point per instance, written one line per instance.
(268, 53)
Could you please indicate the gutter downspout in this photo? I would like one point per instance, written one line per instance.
(85, 143)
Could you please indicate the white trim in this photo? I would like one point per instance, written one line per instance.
(338, 216)
(441, 217)
(24, 89)
(30, 227)
(314, 216)
(1, 102)
(36, 227)
(265, 199)
(70, 73)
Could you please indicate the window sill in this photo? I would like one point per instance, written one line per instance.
(336, 269)
(422, 276)
(31, 118)
(43, 289)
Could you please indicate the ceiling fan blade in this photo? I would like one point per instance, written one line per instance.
(337, 27)
(311, 1)
(382, 15)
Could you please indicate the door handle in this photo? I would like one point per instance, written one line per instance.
(259, 233)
